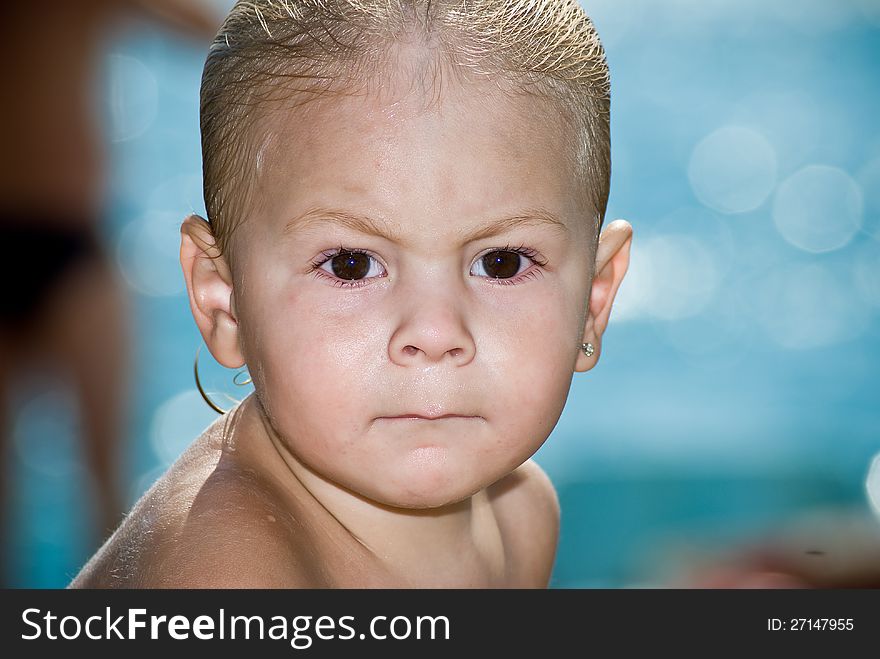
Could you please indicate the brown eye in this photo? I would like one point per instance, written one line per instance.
(501, 264)
(350, 265)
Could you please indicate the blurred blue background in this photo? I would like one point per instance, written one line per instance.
(738, 388)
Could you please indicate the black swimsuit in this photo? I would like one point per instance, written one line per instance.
(36, 253)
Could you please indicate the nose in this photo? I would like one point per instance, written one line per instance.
(432, 330)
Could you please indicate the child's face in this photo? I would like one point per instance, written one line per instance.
(414, 325)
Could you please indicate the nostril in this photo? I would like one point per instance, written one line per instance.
(410, 350)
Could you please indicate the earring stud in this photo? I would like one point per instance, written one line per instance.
(588, 349)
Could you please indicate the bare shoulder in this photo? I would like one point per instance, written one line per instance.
(527, 509)
(209, 522)
(237, 534)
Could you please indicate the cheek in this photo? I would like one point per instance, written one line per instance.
(309, 360)
(532, 362)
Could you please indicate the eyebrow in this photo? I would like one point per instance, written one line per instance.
(317, 217)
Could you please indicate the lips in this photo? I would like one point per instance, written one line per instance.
(428, 417)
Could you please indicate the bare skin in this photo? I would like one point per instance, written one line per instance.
(52, 170)
(179, 534)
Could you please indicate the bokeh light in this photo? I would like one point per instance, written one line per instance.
(818, 209)
(676, 268)
(872, 485)
(179, 195)
(801, 306)
(733, 169)
(712, 229)
(791, 120)
(637, 289)
(132, 98)
(46, 431)
(672, 276)
(684, 275)
(177, 422)
(148, 253)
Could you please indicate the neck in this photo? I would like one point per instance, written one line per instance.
(414, 544)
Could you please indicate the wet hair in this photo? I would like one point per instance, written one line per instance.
(271, 54)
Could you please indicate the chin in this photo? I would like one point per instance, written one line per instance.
(428, 479)
(427, 501)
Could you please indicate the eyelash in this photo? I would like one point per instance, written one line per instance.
(522, 250)
(326, 256)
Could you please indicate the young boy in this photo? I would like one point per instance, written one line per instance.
(404, 202)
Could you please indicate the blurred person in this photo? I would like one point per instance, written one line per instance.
(63, 304)
(838, 548)
(404, 244)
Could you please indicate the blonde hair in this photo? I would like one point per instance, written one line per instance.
(274, 51)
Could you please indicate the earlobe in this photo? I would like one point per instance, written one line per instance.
(209, 284)
(612, 261)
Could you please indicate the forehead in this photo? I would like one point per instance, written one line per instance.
(447, 159)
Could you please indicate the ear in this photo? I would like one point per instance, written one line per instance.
(612, 260)
(209, 283)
